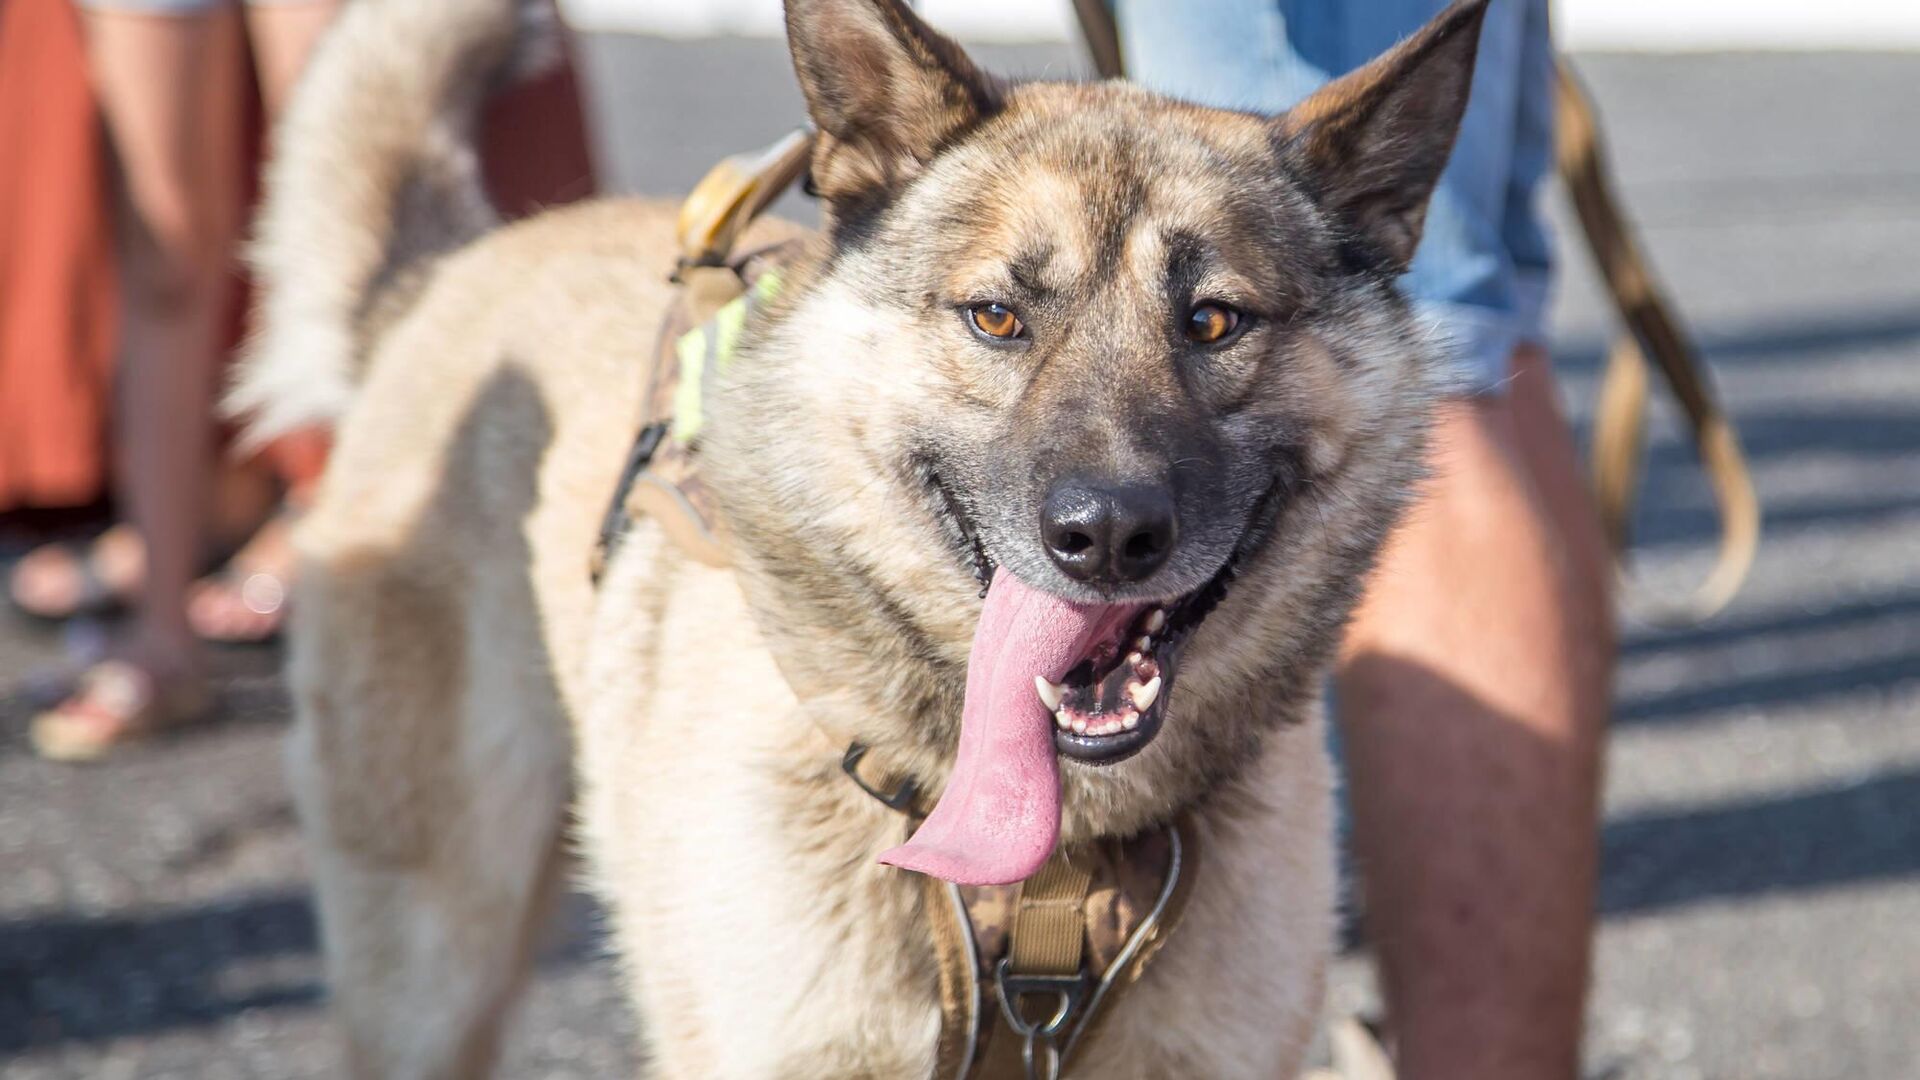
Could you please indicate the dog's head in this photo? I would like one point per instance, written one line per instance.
(1144, 358)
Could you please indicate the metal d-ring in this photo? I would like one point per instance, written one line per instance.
(1069, 989)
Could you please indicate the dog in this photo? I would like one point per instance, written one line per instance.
(1051, 473)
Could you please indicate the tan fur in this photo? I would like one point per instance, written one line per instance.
(451, 661)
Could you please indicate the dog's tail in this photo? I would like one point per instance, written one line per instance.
(376, 174)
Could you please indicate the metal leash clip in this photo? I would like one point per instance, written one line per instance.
(1040, 1042)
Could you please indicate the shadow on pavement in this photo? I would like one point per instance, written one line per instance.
(70, 977)
(1734, 628)
(73, 978)
(1782, 689)
(1853, 834)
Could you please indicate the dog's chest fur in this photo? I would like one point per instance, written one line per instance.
(763, 940)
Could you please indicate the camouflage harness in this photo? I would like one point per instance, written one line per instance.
(1026, 971)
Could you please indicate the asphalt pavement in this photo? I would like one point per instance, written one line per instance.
(1760, 901)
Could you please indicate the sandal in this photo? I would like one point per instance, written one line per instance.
(237, 606)
(92, 593)
(245, 601)
(114, 703)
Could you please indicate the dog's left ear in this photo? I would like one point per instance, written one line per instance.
(885, 90)
(1374, 142)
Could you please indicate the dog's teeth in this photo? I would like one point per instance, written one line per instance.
(1156, 621)
(1051, 694)
(1061, 718)
(1144, 696)
(1131, 720)
(1143, 644)
(1079, 725)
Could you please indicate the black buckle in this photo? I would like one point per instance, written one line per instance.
(901, 801)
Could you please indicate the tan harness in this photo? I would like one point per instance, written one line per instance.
(1026, 971)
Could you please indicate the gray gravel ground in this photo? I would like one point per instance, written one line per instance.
(1761, 899)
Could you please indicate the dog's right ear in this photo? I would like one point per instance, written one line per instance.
(885, 90)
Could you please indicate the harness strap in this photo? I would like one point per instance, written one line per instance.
(962, 1025)
(1050, 924)
(733, 193)
(1041, 985)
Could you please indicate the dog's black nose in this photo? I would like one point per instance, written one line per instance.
(1108, 534)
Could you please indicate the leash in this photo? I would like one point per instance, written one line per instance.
(1652, 330)
(1619, 423)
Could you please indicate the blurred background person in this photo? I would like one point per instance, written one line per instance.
(170, 78)
(169, 81)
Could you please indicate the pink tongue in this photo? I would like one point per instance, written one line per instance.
(1000, 814)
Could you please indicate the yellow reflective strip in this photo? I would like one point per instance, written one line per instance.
(692, 351)
(768, 284)
(695, 347)
(726, 332)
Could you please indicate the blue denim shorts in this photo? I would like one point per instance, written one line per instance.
(1482, 269)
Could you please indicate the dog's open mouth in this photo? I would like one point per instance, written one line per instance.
(1112, 702)
(1048, 677)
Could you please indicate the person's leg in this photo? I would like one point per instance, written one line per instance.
(1475, 770)
(167, 85)
(283, 34)
(245, 602)
(169, 90)
(1473, 691)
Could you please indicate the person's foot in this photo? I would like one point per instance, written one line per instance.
(116, 702)
(245, 602)
(67, 579)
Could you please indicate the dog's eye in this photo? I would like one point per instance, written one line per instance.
(1209, 323)
(996, 321)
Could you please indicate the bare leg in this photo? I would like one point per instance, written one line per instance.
(283, 36)
(245, 602)
(169, 87)
(1473, 693)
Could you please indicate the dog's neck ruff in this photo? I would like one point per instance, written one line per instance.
(1028, 971)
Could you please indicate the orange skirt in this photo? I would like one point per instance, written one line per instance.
(57, 296)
